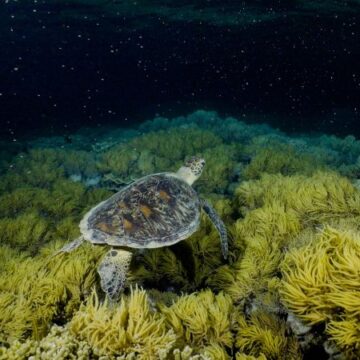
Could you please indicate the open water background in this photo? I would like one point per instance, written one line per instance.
(68, 64)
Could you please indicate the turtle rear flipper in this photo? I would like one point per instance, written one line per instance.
(218, 223)
(112, 271)
(71, 246)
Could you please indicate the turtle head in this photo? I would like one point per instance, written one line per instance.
(191, 170)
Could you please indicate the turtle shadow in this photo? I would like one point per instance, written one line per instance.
(184, 254)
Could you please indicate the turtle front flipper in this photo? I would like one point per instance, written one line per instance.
(218, 223)
(112, 271)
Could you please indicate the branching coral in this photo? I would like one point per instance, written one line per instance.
(285, 261)
(59, 344)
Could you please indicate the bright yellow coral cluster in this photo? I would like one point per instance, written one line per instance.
(201, 321)
(321, 284)
(128, 327)
(33, 290)
(282, 213)
(276, 210)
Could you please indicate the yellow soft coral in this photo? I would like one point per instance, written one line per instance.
(276, 210)
(265, 334)
(321, 284)
(242, 356)
(36, 291)
(323, 196)
(264, 231)
(201, 319)
(130, 327)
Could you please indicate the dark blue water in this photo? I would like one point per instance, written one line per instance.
(67, 64)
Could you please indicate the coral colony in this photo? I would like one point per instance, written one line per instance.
(289, 287)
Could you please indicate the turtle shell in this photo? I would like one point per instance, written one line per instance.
(154, 211)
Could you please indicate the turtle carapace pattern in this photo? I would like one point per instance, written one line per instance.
(154, 211)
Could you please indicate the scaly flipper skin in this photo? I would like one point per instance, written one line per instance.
(218, 223)
(112, 271)
(71, 246)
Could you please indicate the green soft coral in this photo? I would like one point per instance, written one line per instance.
(156, 151)
(282, 159)
(27, 228)
(31, 217)
(166, 151)
(43, 167)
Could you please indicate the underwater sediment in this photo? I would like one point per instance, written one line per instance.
(289, 289)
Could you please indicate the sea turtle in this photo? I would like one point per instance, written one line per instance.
(154, 211)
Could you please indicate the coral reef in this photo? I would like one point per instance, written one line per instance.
(291, 285)
(129, 327)
(199, 321)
